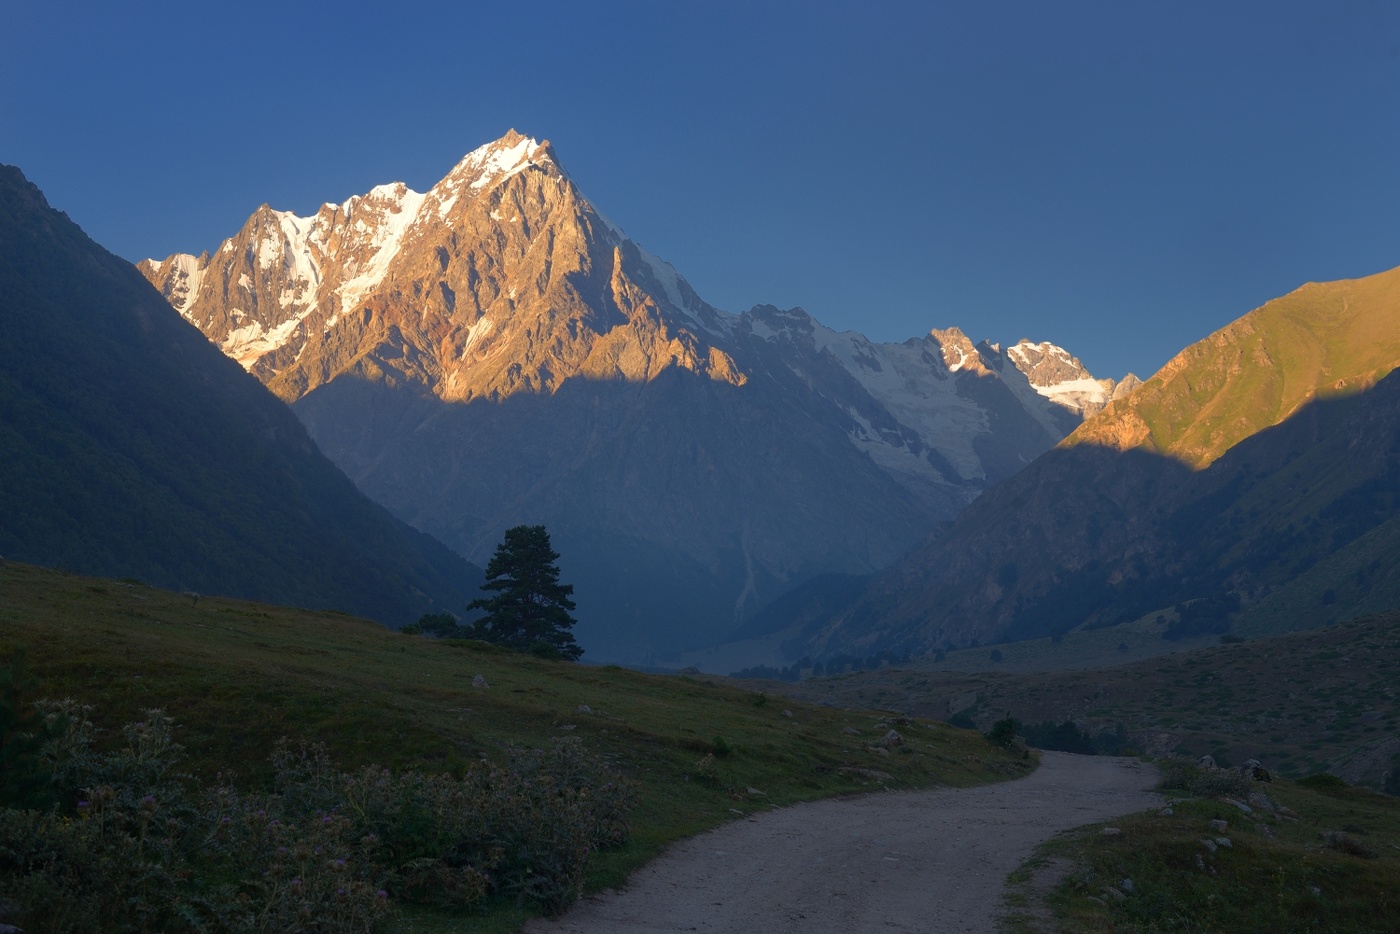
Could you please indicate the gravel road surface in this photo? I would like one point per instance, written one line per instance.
(928, 861)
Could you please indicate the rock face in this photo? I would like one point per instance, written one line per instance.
(1064, 380)
(495, 352)
(129, 447)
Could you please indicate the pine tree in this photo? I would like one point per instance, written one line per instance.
(531, 609)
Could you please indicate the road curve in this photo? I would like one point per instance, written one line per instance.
(929, 861)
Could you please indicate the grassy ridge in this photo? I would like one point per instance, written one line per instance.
(236, 676)
(1321, 339)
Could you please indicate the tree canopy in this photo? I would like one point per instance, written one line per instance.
(531, 610)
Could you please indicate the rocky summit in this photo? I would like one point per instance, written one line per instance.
(496, 351)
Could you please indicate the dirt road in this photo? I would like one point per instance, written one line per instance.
(930, 861)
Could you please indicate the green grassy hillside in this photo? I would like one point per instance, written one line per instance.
(1322, 339)
(1359, 578)
(236, 676)
(1091, 536)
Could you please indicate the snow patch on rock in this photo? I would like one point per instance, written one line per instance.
(393, 208)
(185, 276)
(1059, 377)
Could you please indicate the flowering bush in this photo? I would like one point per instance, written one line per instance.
(137, 846)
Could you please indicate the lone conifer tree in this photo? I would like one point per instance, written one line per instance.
(531, 609)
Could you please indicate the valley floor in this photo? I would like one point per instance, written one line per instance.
(912, 861)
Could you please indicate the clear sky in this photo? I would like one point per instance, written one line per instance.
(1118, 177)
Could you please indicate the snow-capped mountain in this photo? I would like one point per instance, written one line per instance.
(1062, 379)
(441, 289)
(496, 351)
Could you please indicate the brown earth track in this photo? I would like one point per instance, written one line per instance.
(928, 861)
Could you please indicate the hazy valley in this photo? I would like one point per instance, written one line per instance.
(496, 351)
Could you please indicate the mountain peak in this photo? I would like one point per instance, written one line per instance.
(1046, 364)
(957, 349)
(496, 161)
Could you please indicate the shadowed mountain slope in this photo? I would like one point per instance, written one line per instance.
(1118, 521)
(131, 447)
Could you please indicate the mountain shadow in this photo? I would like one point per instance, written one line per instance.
(1094, 536)
(679, 505)
(131, 447)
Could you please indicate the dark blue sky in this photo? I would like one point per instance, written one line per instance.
(1120, 177)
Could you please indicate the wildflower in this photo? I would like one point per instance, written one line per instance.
(381, 894)
(295, 883)
(82, 805)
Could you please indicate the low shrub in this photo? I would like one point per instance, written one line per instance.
(137, 846)
(1323, 781)
(1346, 843)
(1003, 732)
(1219, 783)
(1177, 773)
(1184, 775)
(706, 771)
